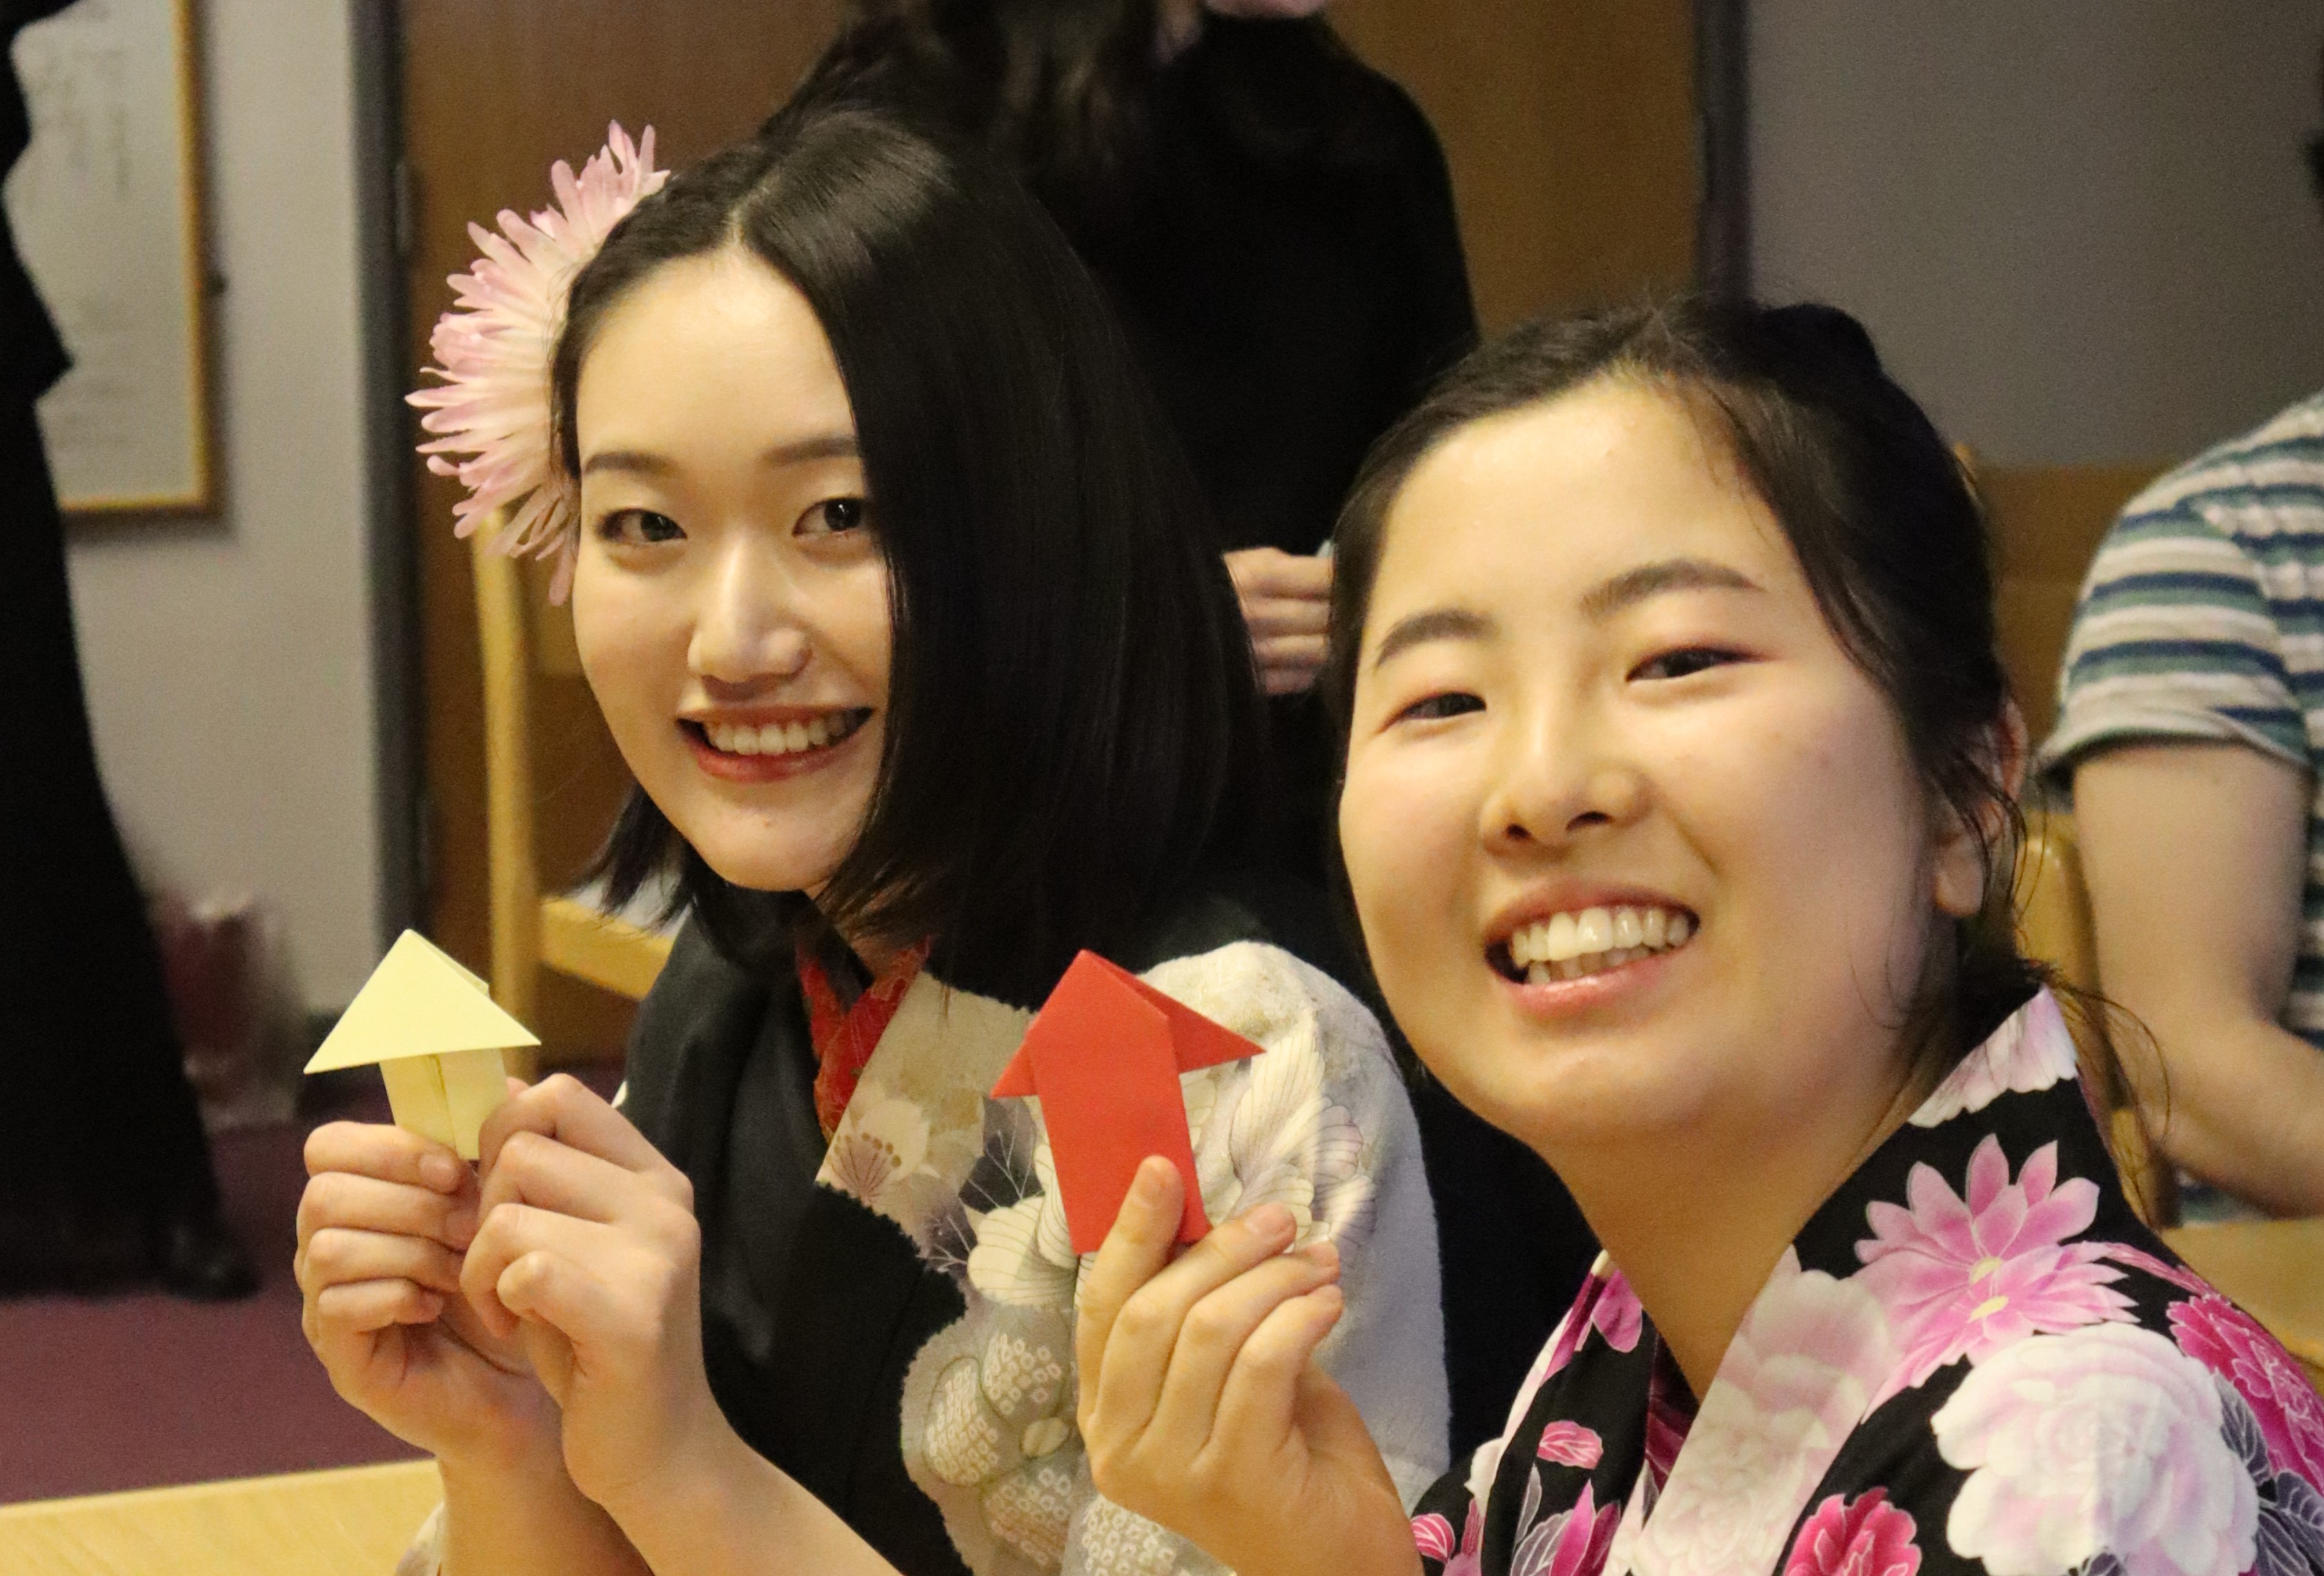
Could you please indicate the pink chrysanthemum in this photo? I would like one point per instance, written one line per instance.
(1967, 1277)
(493, 351)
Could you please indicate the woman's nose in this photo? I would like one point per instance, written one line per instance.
(1559, 778)
(747, 628)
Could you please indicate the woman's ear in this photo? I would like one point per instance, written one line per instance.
(1963, 848)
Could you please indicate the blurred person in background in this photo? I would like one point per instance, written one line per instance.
(104, 1171)
(1273, 223)
(2190, 722)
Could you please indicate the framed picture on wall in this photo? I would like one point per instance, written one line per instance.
(106, 207)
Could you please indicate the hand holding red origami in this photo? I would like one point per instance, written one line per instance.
(1202, 1404)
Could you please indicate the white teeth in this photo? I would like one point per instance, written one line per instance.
(778, 738)
(1597, 930)
(1568, 946)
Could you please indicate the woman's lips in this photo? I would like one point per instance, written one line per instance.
(1556, 997)
(773, 751)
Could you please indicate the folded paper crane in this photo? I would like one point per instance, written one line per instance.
(1104, 1055)
(437, 1037)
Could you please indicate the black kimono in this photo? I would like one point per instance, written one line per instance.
(1973, 1359)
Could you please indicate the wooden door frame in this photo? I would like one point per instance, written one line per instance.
(391, 559)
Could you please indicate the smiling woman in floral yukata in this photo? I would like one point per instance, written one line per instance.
(1677, 817)
(901, 611)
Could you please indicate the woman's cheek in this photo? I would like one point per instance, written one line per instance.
(1406, 822)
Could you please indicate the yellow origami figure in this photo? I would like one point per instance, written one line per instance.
(432, 1028)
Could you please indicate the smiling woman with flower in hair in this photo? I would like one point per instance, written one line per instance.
(904, 618)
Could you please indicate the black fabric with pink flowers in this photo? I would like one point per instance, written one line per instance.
(1974, 1359)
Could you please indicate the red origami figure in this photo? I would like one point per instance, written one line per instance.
(1104, 1055)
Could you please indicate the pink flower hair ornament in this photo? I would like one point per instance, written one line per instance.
(493, 352)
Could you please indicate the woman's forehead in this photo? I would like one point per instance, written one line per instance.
(1546, 501)
(720, 337)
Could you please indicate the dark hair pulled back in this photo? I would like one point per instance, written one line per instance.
(1878, 510)
(1072, 702)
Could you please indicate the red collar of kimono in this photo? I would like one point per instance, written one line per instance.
(846, 1038)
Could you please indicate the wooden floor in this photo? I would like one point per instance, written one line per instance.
(350, 1522)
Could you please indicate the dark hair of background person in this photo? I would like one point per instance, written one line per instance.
(1878, 510)
(1072, 699)
(1064, 92)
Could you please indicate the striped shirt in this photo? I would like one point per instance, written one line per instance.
(2202, 618)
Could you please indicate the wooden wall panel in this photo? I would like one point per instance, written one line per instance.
(1570, 126)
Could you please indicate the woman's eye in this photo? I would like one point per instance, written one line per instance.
(635, 526)
(835, 515)
(1684, 661)
(1438, 707)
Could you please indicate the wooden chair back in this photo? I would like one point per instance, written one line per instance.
(2055, 927)
(523, 638)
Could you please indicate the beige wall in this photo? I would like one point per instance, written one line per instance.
(2081, 230)
(228, 661)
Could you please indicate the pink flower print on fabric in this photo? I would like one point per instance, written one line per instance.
(2104, 1441)
(1573, 1543)
(2030, 1051)
(2177, 1275)
(1570, 1444)
(2233, 1345)
(1797, 1380)
(493, 352)
(1432, 1535)
(1864, 1537)
(1965, 1277)
(1605, 1304)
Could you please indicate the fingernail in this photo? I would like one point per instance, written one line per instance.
(1153, 1177)
(1324, 1255)
(1328, 1297)
(1271, 1221)
(441, 1172)
(460, 1228)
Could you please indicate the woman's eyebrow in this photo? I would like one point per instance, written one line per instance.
(1437, 623)
(1632, 586)
(828, 446)
(633, 461)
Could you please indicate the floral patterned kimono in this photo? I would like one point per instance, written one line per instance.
(1973, 1359)
(888, 1316)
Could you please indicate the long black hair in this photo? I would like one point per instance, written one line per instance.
(1065, 91)
(1072, 707)
(1884, 522)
